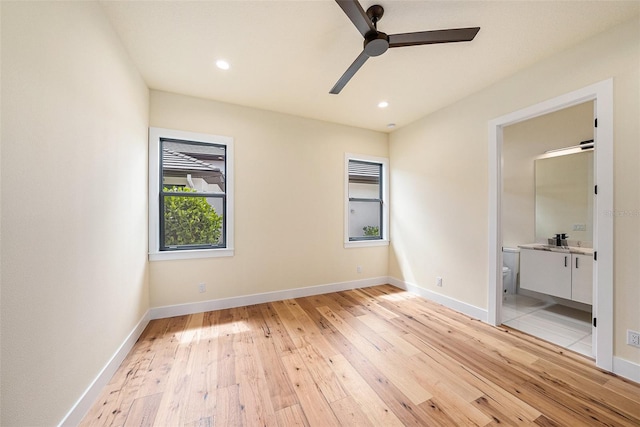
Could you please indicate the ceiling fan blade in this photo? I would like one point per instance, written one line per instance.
(357, 15)
(431, 37)
(353, 68)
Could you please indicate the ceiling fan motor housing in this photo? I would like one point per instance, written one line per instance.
(376, 43)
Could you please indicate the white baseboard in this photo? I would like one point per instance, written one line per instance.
(242, 301)
(88, 398)
(627, 369)
(454, 304)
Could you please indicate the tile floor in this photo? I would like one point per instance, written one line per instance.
(564, 326)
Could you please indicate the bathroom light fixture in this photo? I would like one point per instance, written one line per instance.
(222, 64)
(383, 104)
(583, 146)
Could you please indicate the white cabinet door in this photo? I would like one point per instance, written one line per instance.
(582, 278)
(546, 272)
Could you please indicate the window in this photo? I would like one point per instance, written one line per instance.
(190, 195)
(366, 204)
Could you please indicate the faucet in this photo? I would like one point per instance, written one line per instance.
(561, 239)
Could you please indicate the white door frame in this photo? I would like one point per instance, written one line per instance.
(602, 94)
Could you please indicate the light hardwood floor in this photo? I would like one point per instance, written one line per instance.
(375, 356)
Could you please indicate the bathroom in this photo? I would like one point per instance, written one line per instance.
(548, 185)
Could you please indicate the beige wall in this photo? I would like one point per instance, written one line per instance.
(74, 209)
(289, 203)
(522, 143)
(439, 176)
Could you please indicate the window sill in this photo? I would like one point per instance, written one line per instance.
(190, 254)
(365, 243)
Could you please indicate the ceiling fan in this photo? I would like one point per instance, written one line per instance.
(376, 42)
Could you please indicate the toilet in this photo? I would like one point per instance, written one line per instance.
(510, 269)
(506, 273)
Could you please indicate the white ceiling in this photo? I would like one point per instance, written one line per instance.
(286, 55)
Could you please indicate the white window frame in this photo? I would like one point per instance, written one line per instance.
(155, 136)
(384, 241)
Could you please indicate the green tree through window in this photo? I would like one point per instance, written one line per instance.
(190, 220)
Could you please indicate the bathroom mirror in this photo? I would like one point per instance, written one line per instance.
(564, 196)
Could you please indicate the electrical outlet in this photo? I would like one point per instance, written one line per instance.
(202, 287)
(633, 338)
(439, 281)
(359, 269)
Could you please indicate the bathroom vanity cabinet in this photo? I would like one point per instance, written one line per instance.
(558, 273)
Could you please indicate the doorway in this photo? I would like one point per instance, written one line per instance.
(547, 188)
(602, 95)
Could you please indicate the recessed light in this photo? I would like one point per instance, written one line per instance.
(222, 64)
(383, 104)
(391, 125)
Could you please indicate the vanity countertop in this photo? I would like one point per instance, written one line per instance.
(562, 249)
